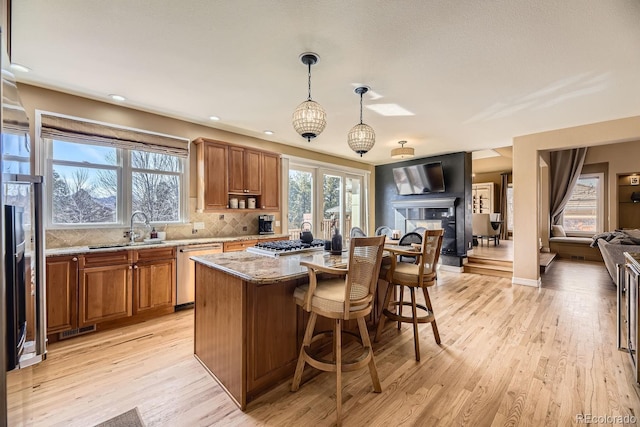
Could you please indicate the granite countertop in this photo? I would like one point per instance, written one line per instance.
(76, 250)
(633, 258)
(264, 270)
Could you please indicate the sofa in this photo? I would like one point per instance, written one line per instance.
(613, 245)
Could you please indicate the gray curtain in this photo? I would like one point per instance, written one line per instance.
(504, 183)
(564, 170)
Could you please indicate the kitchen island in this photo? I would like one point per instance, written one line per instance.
(248, 329)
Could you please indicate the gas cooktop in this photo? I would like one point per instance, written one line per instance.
(285, 247)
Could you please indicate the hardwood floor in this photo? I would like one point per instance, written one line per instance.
(510, 355)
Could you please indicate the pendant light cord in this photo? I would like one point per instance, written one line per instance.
(309, 98)
(360, 108)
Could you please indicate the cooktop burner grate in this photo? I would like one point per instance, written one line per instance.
(285, 247)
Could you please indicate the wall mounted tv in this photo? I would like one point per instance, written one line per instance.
(419, 179)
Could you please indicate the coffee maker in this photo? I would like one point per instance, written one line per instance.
(265, 224)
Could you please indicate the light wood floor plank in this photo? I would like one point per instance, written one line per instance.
(511, 356)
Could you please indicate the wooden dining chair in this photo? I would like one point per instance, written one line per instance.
(340, 299)
(421, 275)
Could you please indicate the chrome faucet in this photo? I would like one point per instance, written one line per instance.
(131, 234)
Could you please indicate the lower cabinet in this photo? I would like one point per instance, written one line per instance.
(62, 293)
(105, 294)
(115, 287)
(154, 280)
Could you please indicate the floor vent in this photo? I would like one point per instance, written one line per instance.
(76, 332)
(577, 257)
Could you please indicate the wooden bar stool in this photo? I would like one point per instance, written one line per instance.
(421, 275)
(341, 299)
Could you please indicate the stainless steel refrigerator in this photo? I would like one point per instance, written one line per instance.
(22, 279)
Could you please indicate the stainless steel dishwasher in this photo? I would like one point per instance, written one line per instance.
(185, 288)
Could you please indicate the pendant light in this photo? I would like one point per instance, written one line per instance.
(309, 118)
(361, 137)
(402, 152)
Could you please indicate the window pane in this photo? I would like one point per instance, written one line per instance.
(581, 212)
(332, 207)
(15, 145)
(84, 153)
(11, 166)
(155, 161)
(83, 195)
(156, 195)
(300, 200)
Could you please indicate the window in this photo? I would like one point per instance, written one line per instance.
(326, 198)
(584, 211)
(103, 183)
(510, 207)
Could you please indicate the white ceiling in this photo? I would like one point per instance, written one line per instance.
(474, 73)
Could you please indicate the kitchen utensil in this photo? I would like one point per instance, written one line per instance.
(306, 236)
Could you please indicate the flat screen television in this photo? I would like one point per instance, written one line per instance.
(419, 179)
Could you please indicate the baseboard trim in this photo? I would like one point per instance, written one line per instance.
(526, 282)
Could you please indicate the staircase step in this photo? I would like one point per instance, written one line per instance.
(488, 270)
(489, 261)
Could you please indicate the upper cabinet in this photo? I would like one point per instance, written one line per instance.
(227, 172)
(212, 161)
(245, 167)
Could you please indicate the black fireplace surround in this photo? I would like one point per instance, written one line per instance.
(444, 210)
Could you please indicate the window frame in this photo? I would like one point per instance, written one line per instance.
(317, 169)
(599, 208)
(124, 174)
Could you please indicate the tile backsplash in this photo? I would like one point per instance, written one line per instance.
(216, 225)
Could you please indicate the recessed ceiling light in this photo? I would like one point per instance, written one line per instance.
(19, 67)
(214, 118)
(117, 97)
(389, 110)
(268, 132)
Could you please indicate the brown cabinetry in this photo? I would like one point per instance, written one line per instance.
(270, 181)
(212, 161)
(154, 279)
(62, 293)
(104, 288)
(108, 289)
(239, 245)
(245, 171)
(226, 171)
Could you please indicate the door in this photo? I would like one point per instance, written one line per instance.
(300, 200)
(62, 293)
(332, 207)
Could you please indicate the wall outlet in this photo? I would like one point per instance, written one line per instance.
(277, 223)
(198, 225)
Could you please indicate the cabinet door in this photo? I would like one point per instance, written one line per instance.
(105, 294)
(62, 293)
(239, 245)
(252, 171)
(236, 170)
(154, 285)
(270, 181)
(212, 175)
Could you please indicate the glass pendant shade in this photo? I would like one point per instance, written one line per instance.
(361, 138)
(309, 119)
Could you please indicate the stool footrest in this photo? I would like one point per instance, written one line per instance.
(428, 318)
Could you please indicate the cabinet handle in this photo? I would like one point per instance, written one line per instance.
(135, 267)
(74, 259)
(130, 267)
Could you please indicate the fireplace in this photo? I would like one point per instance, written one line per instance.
(432, 213)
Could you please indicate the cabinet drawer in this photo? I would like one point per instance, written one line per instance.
(240, 245)
(155, 254)
(105, 258)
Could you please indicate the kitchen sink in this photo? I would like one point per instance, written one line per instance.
(111, 245)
